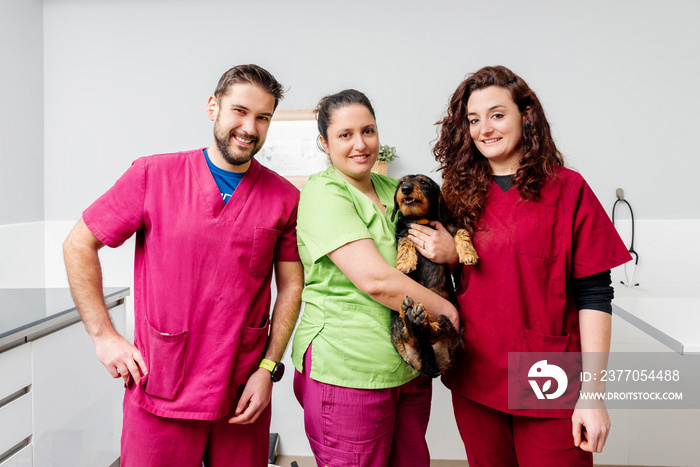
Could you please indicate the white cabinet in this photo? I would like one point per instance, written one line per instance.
(15, 422)
(16, 371)
(77, 405)
(15, 400)
(21, 458)
(58, 404)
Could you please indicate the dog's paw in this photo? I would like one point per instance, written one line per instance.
(465, 248)
(406, 256)
(407, 303)
(415, 313)
(402, 337)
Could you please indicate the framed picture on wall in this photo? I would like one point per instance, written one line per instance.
(290, 148)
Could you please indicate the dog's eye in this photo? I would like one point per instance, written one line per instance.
(423, 182)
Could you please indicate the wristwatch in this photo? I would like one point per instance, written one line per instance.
(276, 369)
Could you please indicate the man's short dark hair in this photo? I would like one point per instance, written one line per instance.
(252, 74)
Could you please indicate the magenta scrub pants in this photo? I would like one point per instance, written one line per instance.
(152, 441)
(349, 427)
(497, 439)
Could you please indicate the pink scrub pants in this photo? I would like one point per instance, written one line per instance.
(152, 441)
(349, 427)
(497, 439)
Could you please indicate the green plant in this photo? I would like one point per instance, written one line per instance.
(387, 153)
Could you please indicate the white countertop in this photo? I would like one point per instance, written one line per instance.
(26, 314)
(669, 312)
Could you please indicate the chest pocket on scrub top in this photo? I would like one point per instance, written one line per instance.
(537, 230)
(261, 257)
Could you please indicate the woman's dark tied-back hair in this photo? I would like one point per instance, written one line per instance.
(329, 104)
(466, 172)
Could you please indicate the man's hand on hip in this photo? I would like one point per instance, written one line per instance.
(120, 357)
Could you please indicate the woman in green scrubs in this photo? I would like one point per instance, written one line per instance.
(362, 404)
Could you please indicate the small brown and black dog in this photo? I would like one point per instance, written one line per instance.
(426, 343)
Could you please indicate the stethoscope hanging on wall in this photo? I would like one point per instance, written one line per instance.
(633, 281)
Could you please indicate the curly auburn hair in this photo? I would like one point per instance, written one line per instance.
(466, 172)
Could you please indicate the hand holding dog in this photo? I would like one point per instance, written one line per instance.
(450, 313)
(435, 243)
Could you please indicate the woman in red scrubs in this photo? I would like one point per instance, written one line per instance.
(542, 283)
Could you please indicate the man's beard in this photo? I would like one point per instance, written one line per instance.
(223, 142)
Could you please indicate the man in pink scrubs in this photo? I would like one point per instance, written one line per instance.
(210, 225)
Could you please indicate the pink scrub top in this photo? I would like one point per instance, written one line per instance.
(202, 274)
(515, 299)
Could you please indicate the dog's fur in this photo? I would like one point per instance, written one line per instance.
(426, 343)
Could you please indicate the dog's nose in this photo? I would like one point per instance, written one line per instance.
(406, 189)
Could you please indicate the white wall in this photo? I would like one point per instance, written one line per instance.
(668, 250)
(22, 258)
(21, 144)
(21, 112)
(129, 78)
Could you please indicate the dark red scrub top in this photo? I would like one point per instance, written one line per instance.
(515, 299)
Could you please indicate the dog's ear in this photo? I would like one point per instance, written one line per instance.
(436, 201)
(396, 201)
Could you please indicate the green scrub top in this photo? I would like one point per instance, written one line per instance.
(349, 330)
